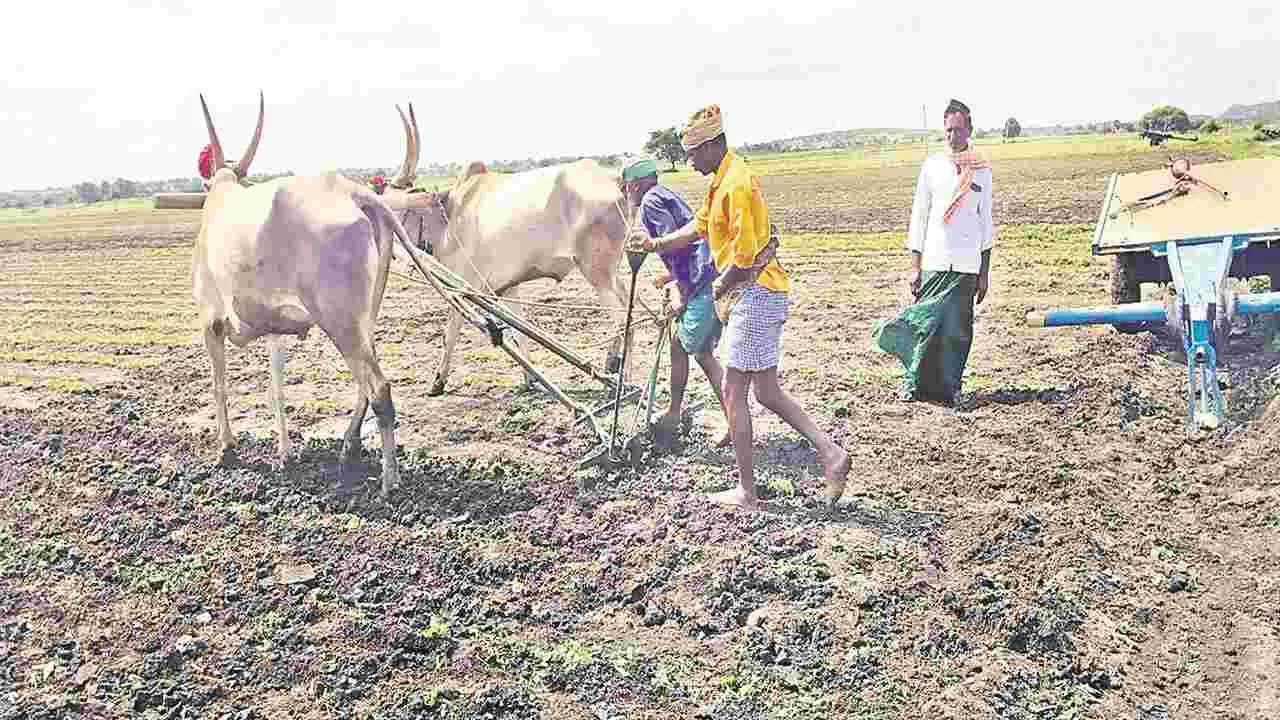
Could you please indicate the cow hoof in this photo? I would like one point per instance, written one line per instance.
(390, 483)
(636, 451)
(351, 450)
(437, 388)
(227, 455)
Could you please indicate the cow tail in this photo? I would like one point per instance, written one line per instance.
(617, 221)
(386, 229)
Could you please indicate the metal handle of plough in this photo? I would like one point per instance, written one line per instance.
(650, 395)
(458, 286)
(530, 331)
(472, 317)
(635, 260)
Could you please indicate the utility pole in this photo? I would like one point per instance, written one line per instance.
(924, 119)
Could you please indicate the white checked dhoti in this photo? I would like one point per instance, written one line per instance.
(753, 336)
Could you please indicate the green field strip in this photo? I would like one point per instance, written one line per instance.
(58, 357)
(70, 294)
(91, 323)
(76, 307)
(91, 339)
(68, 384)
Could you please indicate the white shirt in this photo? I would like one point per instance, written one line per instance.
(956, 245)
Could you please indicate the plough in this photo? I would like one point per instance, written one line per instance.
(1207, 227)
(491, 317)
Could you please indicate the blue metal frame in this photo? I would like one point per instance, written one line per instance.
(1105, 315)
(1199, 268)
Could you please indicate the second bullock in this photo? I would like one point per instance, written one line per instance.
(500, 230)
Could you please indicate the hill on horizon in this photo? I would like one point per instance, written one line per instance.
(1257, 111)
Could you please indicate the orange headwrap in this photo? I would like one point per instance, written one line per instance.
(703, 125)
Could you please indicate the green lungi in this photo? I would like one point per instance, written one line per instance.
(698, 327)
(932, 337)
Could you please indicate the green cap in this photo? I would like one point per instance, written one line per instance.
(639, 168)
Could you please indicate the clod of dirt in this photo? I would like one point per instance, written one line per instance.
(14, 631)
(738, 708)
(190, 646)
(294, 574)
(883, 610)
(942, 642)
(159, 697)
(861, 669)
(1045, 629)
(1133, 405)
(86, 673)
(1179, 582)
(1023, 530)
(606, 712)
(1152, 712)
(1017, 396)
(505, 703)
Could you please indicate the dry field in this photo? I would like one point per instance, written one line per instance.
(1057, 548)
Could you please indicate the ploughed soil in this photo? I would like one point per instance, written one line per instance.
(1057, 547)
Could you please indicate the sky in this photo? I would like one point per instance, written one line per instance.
(110, 88)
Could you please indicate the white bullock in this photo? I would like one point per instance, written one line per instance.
(278, 258)
(500, 230)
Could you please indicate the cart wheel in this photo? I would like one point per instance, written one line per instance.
(1125, 288)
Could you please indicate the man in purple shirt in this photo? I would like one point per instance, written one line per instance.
(690, 271)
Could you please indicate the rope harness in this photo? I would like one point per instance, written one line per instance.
(423, 245)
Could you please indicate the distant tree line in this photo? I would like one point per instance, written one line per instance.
(91, 191)
(663, 144)
(610, 160)
(1170, 118)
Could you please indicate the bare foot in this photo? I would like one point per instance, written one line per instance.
(836, 471)
(735, 497)
(726, 440)
(351, 449)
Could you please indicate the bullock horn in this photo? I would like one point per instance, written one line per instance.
(242, 167)
(417, 146)
(213, 137)
(404, 173)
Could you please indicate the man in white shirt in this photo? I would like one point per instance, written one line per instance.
(950, 237)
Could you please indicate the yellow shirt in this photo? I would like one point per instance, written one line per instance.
(735, 222)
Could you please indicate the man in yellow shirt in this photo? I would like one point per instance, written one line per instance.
(735, 222)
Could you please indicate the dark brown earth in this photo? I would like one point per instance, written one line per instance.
(1057, 548)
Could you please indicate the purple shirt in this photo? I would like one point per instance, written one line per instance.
(663, 212)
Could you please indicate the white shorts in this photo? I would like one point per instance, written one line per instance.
(753, 335)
